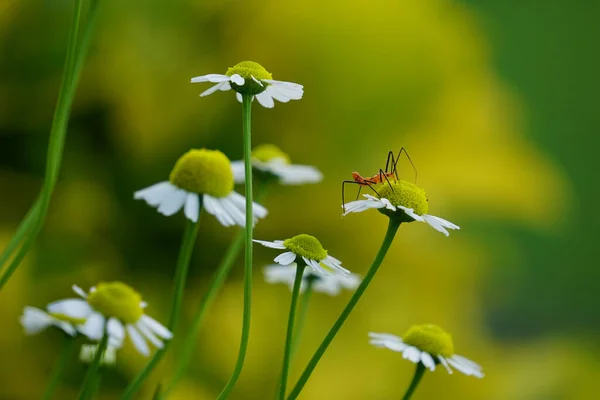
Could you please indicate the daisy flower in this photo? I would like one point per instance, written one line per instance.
(310, 250)
(427, 344)
(201, 177)
(401, 199)
(88, 352)
(269, 161)
(118, 309)
(250, 78)
(331, 284)
(35, 320)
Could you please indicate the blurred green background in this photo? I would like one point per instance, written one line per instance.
(496, 102)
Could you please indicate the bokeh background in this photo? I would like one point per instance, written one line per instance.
(496, 102)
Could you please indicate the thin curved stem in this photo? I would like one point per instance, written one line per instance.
(393, 226)
(59, 367)
(33, 223)
(88, 385)
(247, 121)
(207, 301)
(181, 272)
(419, 371)
(287, 353)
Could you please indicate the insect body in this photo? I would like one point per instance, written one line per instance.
(390, 173)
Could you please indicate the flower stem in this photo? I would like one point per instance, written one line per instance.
(183, 262)
(246, 118)
(89, 382)
(33, 222)
(216, 283)
(393, 226)
(302, 313)
(59, 368)
(287, 353)
(419, 371)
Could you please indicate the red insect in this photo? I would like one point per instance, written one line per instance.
(391, 172)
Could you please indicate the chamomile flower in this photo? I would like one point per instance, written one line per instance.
(401, 199)
(331, 284)
(269, 161)
(201, 177)
(427, 344)
(119, 309)
(252, 79)
(35, 320)
(88, 352)
(308, 249)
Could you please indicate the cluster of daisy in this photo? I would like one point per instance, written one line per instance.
(205, 179)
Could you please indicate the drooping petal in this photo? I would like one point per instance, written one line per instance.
(145, 331)
(387, 340)
(34, 320)
(443, 222)
(427, 361)
(435, 225)
(71, 308)
(238, 215)
(257, 210)
(214, 207)
(172, 203)
(155, 194)
(285, 258)
(238, 169)
(265, 99)
(79, 291)
(465, 369)
(411, 213)
(219, 86)
(138, 340)
(445, 364)
(336, 265)
(115, 329)
(277, 244)
(277, 95)
(412, 353)
(192, 207)
(214, 78)
(94, 326)
(157, 327)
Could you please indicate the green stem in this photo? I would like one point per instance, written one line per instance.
(287, 353)
(32, 224)
(419, 371)
(183, 262)
(60, 367)
(207, 301)
(88, 385)
(300, 320)
(393, 226)
(246, 120)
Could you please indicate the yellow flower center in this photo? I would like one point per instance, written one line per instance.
(430, 338)
(203, 171)
(66, 318)
(247, 70)
(118, 300)
(306, 246)
(267, 152)
(405, 194)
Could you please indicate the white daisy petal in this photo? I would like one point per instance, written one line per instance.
(212, 89)
(34, 320)
(237, 79)
(289, 85)
(427, 361)
(192, 207)
(434, 224)
(443, 222)
(240, 201)
(276, 273)
(413, 354)
(115, 329)
(239, 97)
(273, 245)
(387, 340)
(138, 340)
(466, 361)
(335, 264)
(79, 291)
(238, 169)
(257, 81)
(66, 327)
(465, 369)
(94, 326)
(213, 206)
(265, 99)
(239, 215)
(155, 194)
(157, 327)
(214, 78)
(146, 332)
(445, 364)
(225, 87)
(277, 95)
(411, 213)
(173, 202)
(299, 174)
(285, 258)
(72, 308)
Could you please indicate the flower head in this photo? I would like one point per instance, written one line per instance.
(35, 320)
(427, 344)
(252, 79)
(270, 161)
(403, 200)
(310, 250)
(331, 284)
(201, 175)
(88, 352)
(118, 309)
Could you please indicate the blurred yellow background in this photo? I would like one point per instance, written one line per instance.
(495, 102)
